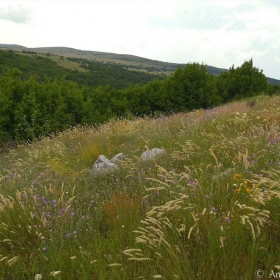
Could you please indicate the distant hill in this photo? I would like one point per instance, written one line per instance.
(84, 72)
(134, 63)
(273, 81)
(130, 62)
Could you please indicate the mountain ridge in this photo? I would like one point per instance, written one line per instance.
(133, 62)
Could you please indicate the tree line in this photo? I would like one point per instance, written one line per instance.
(33, 108)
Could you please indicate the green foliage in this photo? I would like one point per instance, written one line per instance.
(116, 76)
(192, 88)
(33, 109)
(30, 65)
(36, 106)
(273, 89)
(244, 81)
(189, 88)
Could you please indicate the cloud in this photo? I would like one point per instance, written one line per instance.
(219, 33)
(197, 15)
(17, 14)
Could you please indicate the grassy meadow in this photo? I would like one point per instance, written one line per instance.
(208, 209)
(60, 60)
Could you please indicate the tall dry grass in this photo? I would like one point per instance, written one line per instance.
(209, 209)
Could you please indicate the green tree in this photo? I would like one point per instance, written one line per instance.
(11, 93)
(244, 81)
(158, 96)
(191, 88)
(138, 100)
(101, 105)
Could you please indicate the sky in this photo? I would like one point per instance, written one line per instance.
(217, 33)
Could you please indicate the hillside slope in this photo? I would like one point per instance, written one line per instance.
(214, 195)
(134, 62)
(56, 67)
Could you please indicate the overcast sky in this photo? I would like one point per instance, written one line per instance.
(217, 33)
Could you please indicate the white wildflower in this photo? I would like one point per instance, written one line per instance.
(38, 277)
(54, 273)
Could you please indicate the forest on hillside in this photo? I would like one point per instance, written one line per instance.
(35, 104)
(97, 73)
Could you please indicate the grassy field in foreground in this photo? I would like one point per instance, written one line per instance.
(209, 209)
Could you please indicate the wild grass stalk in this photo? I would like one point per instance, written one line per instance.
(212, 200)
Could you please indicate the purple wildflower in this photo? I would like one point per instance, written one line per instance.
(227, 219)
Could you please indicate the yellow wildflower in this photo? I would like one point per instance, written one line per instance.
(249, 190)
(238, 190)
(237, 177)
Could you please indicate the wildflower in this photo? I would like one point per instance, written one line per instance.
(249, 190)
(68, 235)
(207, 196)
(73, 257)
(213, 208)
(44, 249)
(38, 277)
(75, 232)
(54, 273)
(245, 182)
(237, 177)
(238, 190)
(227, 219)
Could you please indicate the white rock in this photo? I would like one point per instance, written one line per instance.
(152, 154)
(103, 165)
(118, 158)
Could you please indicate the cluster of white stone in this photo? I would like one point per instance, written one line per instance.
(103, 165)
